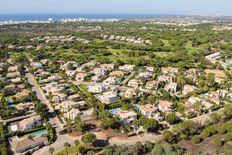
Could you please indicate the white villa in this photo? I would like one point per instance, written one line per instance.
(165, 106)
(72, 114)
(134, 83)
(97, 88)
(171, 87)
(149, 110)
(152, 85)
(127, 68)
(29, 123)
(108, 97)
(127, 116)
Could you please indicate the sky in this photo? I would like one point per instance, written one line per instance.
(203, 7)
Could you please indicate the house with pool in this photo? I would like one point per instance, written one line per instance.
(149, 110)
(108, 97)
(29, 143)
(126, 117)
(26, 124)
(30, 123)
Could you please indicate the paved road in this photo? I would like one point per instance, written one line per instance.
(41, 96)
(58, 145)
(61, 139)
(128, 78)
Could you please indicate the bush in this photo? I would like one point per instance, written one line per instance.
(158, 149)
(217, 141)
(221, 129)
(196, 139)
(186, 129)
(82, 148)
(168, 136)
(166, 149)
(171, 118)
(228, 126)
(209, 131)
(228, 137)
(228, 111)
(89, 138)
(91, 152)
(215, 118)
(148, 146)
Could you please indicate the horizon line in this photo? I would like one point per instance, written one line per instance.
(167, 14)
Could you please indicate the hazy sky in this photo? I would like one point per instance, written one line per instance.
(117, 6)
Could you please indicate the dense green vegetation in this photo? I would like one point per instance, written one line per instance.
(171, 46)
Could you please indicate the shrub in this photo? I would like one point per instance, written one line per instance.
(209, 131)
(148, 145)
(168, 136)
(171, 118)
(158, 149)
(196, 139)
(217, 141)
(221, 129)
(89, 138)
(186, 129)
(228, 137)
(228, 126)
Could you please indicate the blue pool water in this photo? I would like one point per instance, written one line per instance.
(136, 106)
(39, 133)
(204, 95)
(10, 106)
(114, 111)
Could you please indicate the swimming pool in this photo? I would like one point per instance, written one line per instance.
(115, 111)
(39, 133)
(136, 106)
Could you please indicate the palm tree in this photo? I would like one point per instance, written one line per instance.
(66, 145)
(51, 150)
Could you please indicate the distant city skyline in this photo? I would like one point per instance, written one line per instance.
(197, 7)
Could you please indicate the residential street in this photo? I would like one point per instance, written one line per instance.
(41, 96)
(61, 139)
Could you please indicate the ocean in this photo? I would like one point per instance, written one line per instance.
(57, 17)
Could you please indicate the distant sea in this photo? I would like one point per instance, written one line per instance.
(57, 17)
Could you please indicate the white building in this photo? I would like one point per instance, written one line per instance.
(152, 85)
(72, 114)
(80, 77)
(127, 117)
(164, 78)
(97, 88)
(108, 97)
(21, 145)
(165, 106)
(127, 68)
(29, 123)
(149, 110)
(171, 87)
(134, 83)
(188, 89)
(99, 71)
(110, 81)
(73, 104)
